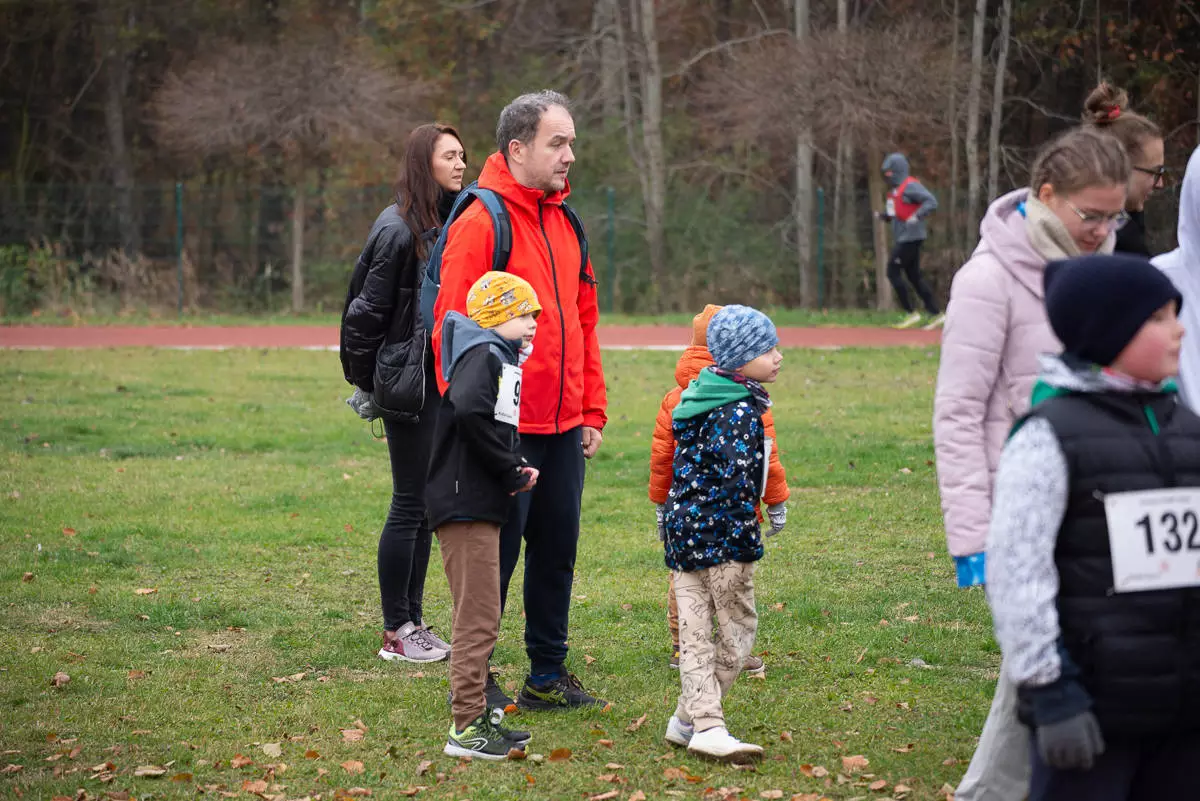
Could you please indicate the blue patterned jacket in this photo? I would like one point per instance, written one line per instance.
(717, 482)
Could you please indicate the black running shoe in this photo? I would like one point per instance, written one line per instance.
(565, 692)
(481, 739)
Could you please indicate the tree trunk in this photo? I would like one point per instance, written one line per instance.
(652, 138)
(116, 86)
(972, 143)
(604, 24)
(804, 187)
(845, 203)
(956, 239)
(998, 102)
(298, 244)
(883, 289)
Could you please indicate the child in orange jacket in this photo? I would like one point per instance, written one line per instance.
(662, 455)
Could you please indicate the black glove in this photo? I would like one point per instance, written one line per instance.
(1071, 744)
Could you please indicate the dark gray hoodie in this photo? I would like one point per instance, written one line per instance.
(912, 230)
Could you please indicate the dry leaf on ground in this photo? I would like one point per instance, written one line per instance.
(255, 786)
(145, 591)
(272, 749)
(605, 743)
(352, 735)
(877, 785)
(905, 749)
(771, 794)
(637, 724)
(149, 771)
(785, 736)
(604, 796)
(560, 754)
(423, 766)
(516, 754)
(292, 679)
(353, 766)
(312, 754)
(855, 764)
(59, 679)
(637, 795)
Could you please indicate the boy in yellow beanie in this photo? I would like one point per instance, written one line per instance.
(475, 469)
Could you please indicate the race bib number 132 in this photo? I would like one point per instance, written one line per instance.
(1154, 536)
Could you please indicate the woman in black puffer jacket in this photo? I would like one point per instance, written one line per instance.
(385, 352)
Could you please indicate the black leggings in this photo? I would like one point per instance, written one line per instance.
(906, 260)
(405, 540)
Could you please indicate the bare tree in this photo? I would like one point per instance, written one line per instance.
(952, 73)
(998, 100)
(974, 89)
(804, 182)
(116, 20)
(304, 98)
(654, 180)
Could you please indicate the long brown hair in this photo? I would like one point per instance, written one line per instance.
(1107, 108)
(1078, 158)
(417, 193)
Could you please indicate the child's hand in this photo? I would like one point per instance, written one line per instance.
(532, 474)
(777, 514)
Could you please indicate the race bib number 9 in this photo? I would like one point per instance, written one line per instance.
(508, 399)
(1154, 536)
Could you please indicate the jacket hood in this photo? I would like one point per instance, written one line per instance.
(1063, 375)
(707, 392)
(497, 176)
(460, 333)
(1184, 260)
(898, 164)
(694, 359)
(700, 324)
(1003, 234)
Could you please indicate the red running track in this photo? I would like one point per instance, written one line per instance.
(320, 337)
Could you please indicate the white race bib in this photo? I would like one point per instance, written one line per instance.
(1154, 536)
(891, 207)
(508, 399)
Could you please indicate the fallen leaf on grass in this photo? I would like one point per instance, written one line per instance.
(410, 791)
(358, 724)
(28, 577)
(145, 591)
(272, 749)
(605, 743)
(637, 724)
(855, 764)
(673, 774)
(604, 796)
(423, 766)
(560, 754)
(12, 768)
(611, 778)
(877, 785)
(516, 754)
(137, 674)
(901, 788)
(615, 766)
(240, 761)
(627, 607)
(149, 771)
(182, 777)
(59, 679)
(352, 735)
(905, 749)
(589, 659)
(529, 779)
(292, 679)
(637, 795)
(808, 797)
(311, 754)
(70, 532)
(219, 648)
(354, 766)
(771, 794)
(254, 786)
(949, 761)
(785, 736)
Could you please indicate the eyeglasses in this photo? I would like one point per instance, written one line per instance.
(1159, 172)
(1113, 222)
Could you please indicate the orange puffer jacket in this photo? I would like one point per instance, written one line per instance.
(662, 447)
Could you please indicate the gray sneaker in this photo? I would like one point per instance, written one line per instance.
(436, 640)
(410, 644)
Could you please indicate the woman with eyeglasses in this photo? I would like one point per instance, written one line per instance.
(1107, 108)
(996, 328)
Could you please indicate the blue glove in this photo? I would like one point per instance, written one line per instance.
(971, 570)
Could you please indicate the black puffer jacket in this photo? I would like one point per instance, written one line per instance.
(384, 347)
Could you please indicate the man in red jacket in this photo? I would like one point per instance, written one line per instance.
(563, 399)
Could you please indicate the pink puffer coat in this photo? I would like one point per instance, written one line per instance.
(996, 327)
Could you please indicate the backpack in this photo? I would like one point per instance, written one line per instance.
(431, 274)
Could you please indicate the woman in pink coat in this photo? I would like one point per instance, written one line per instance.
(996, 328)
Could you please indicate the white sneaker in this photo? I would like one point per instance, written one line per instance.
(678, 732)
(718, 744)
(909, 321)
(410, 644)
(936, 322)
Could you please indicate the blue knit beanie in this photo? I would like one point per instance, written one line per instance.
(1097, 304)
(738, 335)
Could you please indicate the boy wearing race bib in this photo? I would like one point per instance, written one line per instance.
(1093, 567)
(475, 469)
(710, 524)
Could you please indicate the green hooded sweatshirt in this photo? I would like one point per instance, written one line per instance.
(706, 392)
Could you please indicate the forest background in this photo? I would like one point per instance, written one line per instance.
(230, 155)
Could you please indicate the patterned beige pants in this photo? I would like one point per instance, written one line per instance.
(707, 669)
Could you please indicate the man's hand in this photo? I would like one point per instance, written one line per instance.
(591, 441)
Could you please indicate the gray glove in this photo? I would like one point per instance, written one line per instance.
(363, 405)
(1071, 744)
(777, 514)
(660, 518)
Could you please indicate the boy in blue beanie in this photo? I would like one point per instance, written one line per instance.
(1094, 544)
(712, 535)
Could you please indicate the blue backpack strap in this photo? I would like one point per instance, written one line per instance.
(581, 235)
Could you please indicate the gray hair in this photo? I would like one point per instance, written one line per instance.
(519, 119)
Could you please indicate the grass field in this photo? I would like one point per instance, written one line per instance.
(788, 317)
(190, 537)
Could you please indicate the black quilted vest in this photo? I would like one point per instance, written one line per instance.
(1139, 652)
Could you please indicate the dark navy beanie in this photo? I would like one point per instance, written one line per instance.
(1097, 304)
(737, 335)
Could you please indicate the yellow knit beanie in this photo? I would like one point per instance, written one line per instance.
(498, 297)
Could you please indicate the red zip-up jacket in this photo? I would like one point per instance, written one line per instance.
(563, 381)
